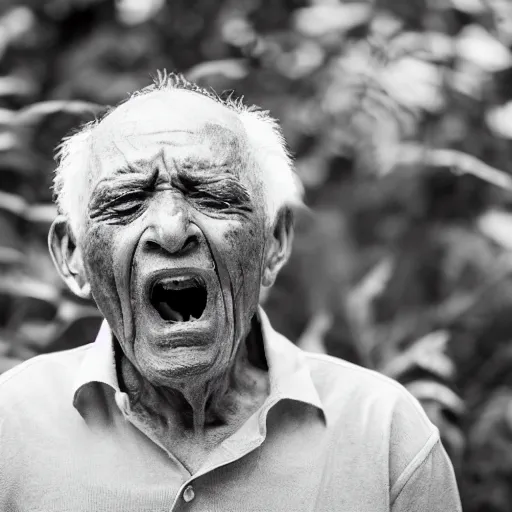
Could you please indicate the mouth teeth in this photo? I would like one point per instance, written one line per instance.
(179, 283)
(179, 299)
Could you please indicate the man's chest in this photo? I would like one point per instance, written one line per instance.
(258, 481)
(291, 468)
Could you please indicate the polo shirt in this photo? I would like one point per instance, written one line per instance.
(330, 436)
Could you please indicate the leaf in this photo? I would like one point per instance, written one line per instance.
(428, 354)
(303, 60)
(72, 308)
(43, 125)
(414, 83)
(41, 214)
(499, 119)
(384, 24)
(425, 390)
(426, 45)
(37, 333)
(321, 20)
(497, 225)
(12, 86)
(9, 257)
(13, 204)
(371, 286)
(359, 303)
(229, 69)
(37, 112)
(458, 161)
(237, 31)
(312, 338)
(477, 46)
(7, 141)
(16, 23)
(30, 288)
(502, 14)
(134, 12)
(7, 117)
(37, 214)
(469, 6)
(468, 79)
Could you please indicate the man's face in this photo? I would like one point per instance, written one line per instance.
(174, 238)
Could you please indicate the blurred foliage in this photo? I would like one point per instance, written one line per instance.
(399, 114)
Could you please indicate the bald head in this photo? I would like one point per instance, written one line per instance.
(149, 126)
(173, 120)
(157, 114)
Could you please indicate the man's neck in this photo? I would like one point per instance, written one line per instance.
(195, 408)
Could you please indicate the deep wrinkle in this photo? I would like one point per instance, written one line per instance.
(224, 162)
(207, 187)
(223, 276)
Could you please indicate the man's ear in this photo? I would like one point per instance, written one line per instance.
(68, 258)
(280, 246)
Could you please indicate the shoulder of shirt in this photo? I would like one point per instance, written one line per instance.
(362, 402)
(341, 380)
(40, 372)
(341, 368)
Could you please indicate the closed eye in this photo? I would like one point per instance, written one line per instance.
(124, 206)
(221, 192)
(210, 202)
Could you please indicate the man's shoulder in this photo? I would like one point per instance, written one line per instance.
(374, 411)
(330, 372)
(48, 373)
(345, 387)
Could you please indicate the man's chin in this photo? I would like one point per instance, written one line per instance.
(169, 351)
(170, 355)
(157, 332)
(199, 333)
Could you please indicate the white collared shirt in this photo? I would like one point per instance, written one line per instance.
(330, 436)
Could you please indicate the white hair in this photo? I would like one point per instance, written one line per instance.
(267, 148)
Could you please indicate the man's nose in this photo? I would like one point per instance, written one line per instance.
(171, 230)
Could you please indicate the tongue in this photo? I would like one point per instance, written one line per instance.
(168, 313)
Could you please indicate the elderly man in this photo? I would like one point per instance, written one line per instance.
(175, 209)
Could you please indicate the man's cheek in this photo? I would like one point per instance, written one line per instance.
(245, 245)
(99, 264)
(245, 254)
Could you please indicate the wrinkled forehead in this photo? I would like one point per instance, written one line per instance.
(174, 125)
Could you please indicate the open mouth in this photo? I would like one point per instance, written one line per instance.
(179, 299)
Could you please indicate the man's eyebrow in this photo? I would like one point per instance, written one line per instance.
(220, 183)
(132, 168)
(126, 177)
(206, 165)
(204, 173)
(140, 171)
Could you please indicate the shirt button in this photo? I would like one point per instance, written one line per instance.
(189, 494)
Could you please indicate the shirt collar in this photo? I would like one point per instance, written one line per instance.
(289, 373)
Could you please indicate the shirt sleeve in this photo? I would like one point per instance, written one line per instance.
(5, 475)
(428, 484)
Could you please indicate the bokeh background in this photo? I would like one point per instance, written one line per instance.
(399, 115)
